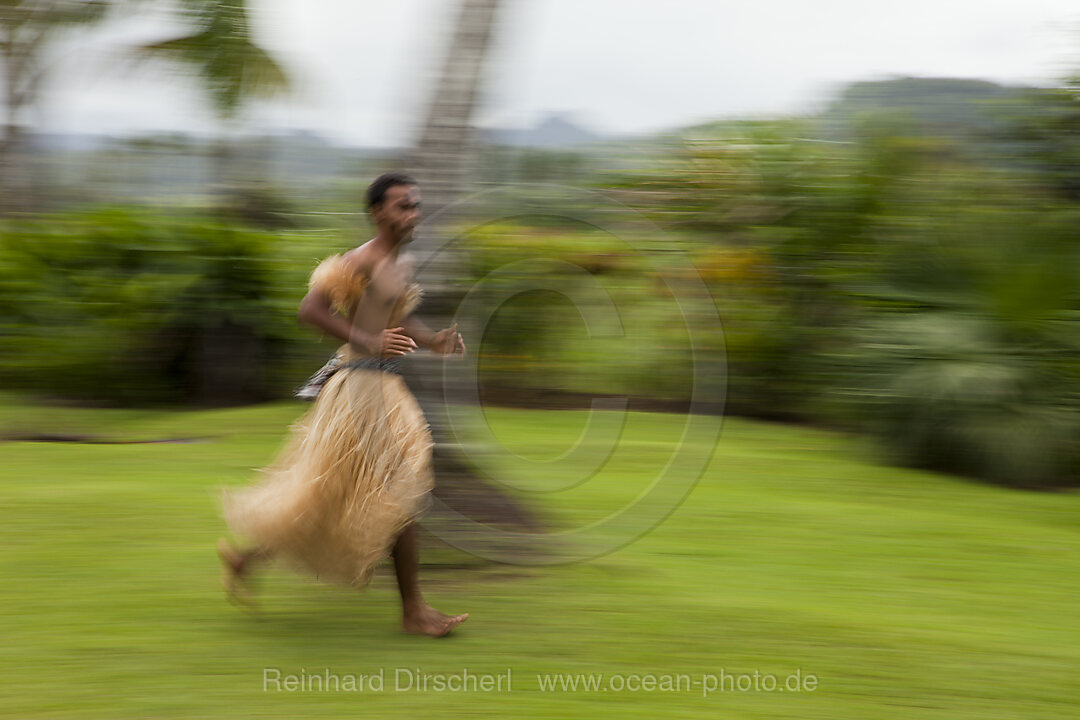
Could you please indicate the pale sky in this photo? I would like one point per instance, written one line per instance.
(362, 67)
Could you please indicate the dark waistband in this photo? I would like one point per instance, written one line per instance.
(390, 364)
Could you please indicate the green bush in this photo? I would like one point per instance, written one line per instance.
(130, 306)
(970, 362)
(543, 284)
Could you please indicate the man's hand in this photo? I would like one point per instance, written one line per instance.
(394, 341)
(448, 342)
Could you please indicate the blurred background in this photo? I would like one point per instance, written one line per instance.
(851, 227)
(883, 204)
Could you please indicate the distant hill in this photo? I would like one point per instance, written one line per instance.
(948, 107)
(556, 131)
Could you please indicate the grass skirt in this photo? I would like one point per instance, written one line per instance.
(356, 471)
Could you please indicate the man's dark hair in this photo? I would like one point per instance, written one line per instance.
(377, 190)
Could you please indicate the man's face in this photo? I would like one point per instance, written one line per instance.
(399, 212)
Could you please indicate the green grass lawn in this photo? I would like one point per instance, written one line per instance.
(905, 594)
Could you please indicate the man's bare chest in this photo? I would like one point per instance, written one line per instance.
(389, 282)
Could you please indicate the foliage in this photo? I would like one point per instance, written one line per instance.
(905, 281)
(892, 285)
(1043, 136)
(575, 309)
(231, 68)
(135, 307)
(970, 362)
(221, 50)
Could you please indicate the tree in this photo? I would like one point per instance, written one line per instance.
(1045, 135)
(230, 66)
(27, 27)
(439, 161)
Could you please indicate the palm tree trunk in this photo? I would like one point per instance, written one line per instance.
(439, 162)
(440, 157)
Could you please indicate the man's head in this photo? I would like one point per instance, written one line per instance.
(394, 203)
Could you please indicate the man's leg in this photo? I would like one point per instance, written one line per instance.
(236, 566)
(418, 616)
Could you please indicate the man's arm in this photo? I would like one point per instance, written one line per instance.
(444, 342)
(419, 332)
(315, 310)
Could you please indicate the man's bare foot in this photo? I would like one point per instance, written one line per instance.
(426, 620)
(232, 574)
